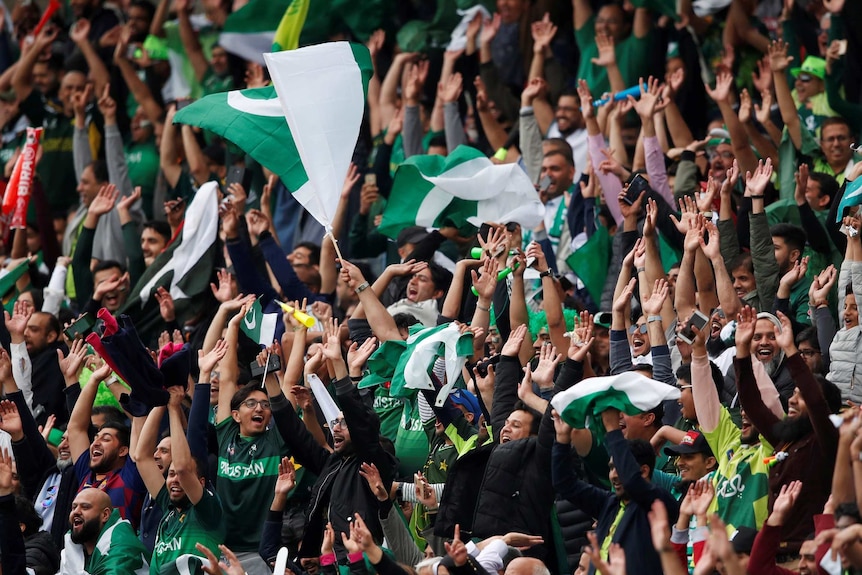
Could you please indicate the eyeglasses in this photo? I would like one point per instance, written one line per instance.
(808, 352)
(337, 422)
(252, 403)
(641, 327)
(681, 387)
(839, 138)
(712, 154)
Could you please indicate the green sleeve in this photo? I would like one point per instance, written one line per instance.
(788, 32)
(766, 270)
(81, 266)
(850, 112)
(208, 510)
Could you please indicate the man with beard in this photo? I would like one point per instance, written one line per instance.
(192, 513)
(100, 542)
(151, 511)
(805, 441)
(105, 463)
(768, 352)
(741, 479)
(768, 539)
(48, 481)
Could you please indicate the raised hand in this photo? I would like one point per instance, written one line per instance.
(415, 81)
(304, 400)
(745, 324)
(450, 90)
(535, 88)
(286, 477)
(6, 483)
(126, 202)
(166, 304)
(761, 79)
(711, 250)
(486, 283)
(80, 32)
(818, 293)
(703, 495)
(490, 27)
(72, 364)
(485, 384)
(624, 300)
(784, 502)
(778, 58)
(755, 184)
(257, 222)
(646, 105)
(224, 292)
(375, 43)
(651, 218)
(358, 355)
(457, 550)
(688, 212)
(796, 273)
(513, 344)
(104, 201)
(371, 475)
(423, 491)
(653, 304)
(659, 526)
(607, 53)
(582, 338)
(328, 540)
(10, 420)
(721, 93)
(784, 335)
(17, 322)
(744, 107)
(332, 342)
(543, 32)
(543, 375)
(587, 109)
(706, 199)
(108, 106)
(215, 567)
(207, 362)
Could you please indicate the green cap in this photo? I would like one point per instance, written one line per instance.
(812, 65)
(157, 48)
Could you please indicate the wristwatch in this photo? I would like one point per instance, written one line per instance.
(546, 273)
(362, 287)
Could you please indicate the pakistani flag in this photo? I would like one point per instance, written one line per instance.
(590, 262)
(463, 187)
(256, 119)
(852, 197)
(259, 326)
(629, 392)
(322, 91)
(405, 364)
(118, 550)
(260, 25)
(184, 269)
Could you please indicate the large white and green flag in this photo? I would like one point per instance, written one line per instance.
(326, 115)
(463, 187)
(251, 30)
(322, 91)
(629, 392)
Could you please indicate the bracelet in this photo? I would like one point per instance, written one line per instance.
(483, 308)
(653, 318)
(757, 197)
(362, 287)
(707, 214)
(547, 273)
(640, 269)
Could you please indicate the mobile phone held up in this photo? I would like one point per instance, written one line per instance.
(637, 184)
(699, 320)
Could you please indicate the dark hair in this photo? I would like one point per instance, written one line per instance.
(830, 392)
(658, 412)
(123, 432)
(793, 236)
(25, 513)
(160, 227)
(242, 394)
(741, 260)
(537, 417)
(146, 6)
(558, 144)
(849, 289)
(100, 171)
(848, 509)
(567, 156)
(441, 277)
(828, 185)
(314, 249)
(38, 297)
(108, 265)
(683, 372)
(404, 320)
(643, 452)
(111, 413)
(572, 92)
(439, 141)
(835, 121)
(201, 466)
(809, 336)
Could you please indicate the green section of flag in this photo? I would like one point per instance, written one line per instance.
(289, 29)
(327, 18)
(669, 254)
(253, 120)
(590, 262)
(259, 326)
(852, 197)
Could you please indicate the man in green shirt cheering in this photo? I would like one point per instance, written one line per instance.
(193, 514)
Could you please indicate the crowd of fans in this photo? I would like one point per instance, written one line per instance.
(694, 233)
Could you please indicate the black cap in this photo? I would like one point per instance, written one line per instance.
(743, 539)
(693, 442)
(411, 235)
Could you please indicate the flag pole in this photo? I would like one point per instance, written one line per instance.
(330, 235)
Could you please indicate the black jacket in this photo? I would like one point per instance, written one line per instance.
(48, 384)
(633, 531)
(339, 491)
(43, 555)
(36, 464)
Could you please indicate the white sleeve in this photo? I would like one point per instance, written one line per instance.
(22, 371)
(55, 293)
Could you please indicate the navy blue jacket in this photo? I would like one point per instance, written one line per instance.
(633, 532)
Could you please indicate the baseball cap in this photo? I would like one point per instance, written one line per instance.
(743, 539)
(718, 136)
(411, 235)
(693, 442)
(468, 400)
(811, 65)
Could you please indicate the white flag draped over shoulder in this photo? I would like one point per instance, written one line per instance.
(464, 187)
(322, 92)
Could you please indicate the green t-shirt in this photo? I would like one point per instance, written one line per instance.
(56, 170)
(742, 479)
(180, 529)
(213, 83)
(388, 410)
(411, 443)
(247, 472)
(142, 160)
(632, 59)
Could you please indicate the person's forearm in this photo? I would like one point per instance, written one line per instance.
(787, 107)
(453, 127)
(764, 145)
(741, 146)
(81, 155)
(411, 133)
(118, 170)
(141, 92)
(611, 186)
(656, 168)
(22, 370)
(705, 281)
(98, 71)
(707, 404)
(684, 293)
(727, 298)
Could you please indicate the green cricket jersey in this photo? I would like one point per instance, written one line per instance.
(181, 528)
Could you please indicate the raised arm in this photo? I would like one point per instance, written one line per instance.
(139, 89)
(378, 318)
(183, 464)
(229, 368)
(779, 61)
(168, 153)
(22, 81)
(727, 298)
(98, 71)
(79, 421)
(195, 156)
(143, 457)
(191, 44)
(739, 139)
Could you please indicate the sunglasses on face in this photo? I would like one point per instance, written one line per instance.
(641, 327)
(805, 78)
